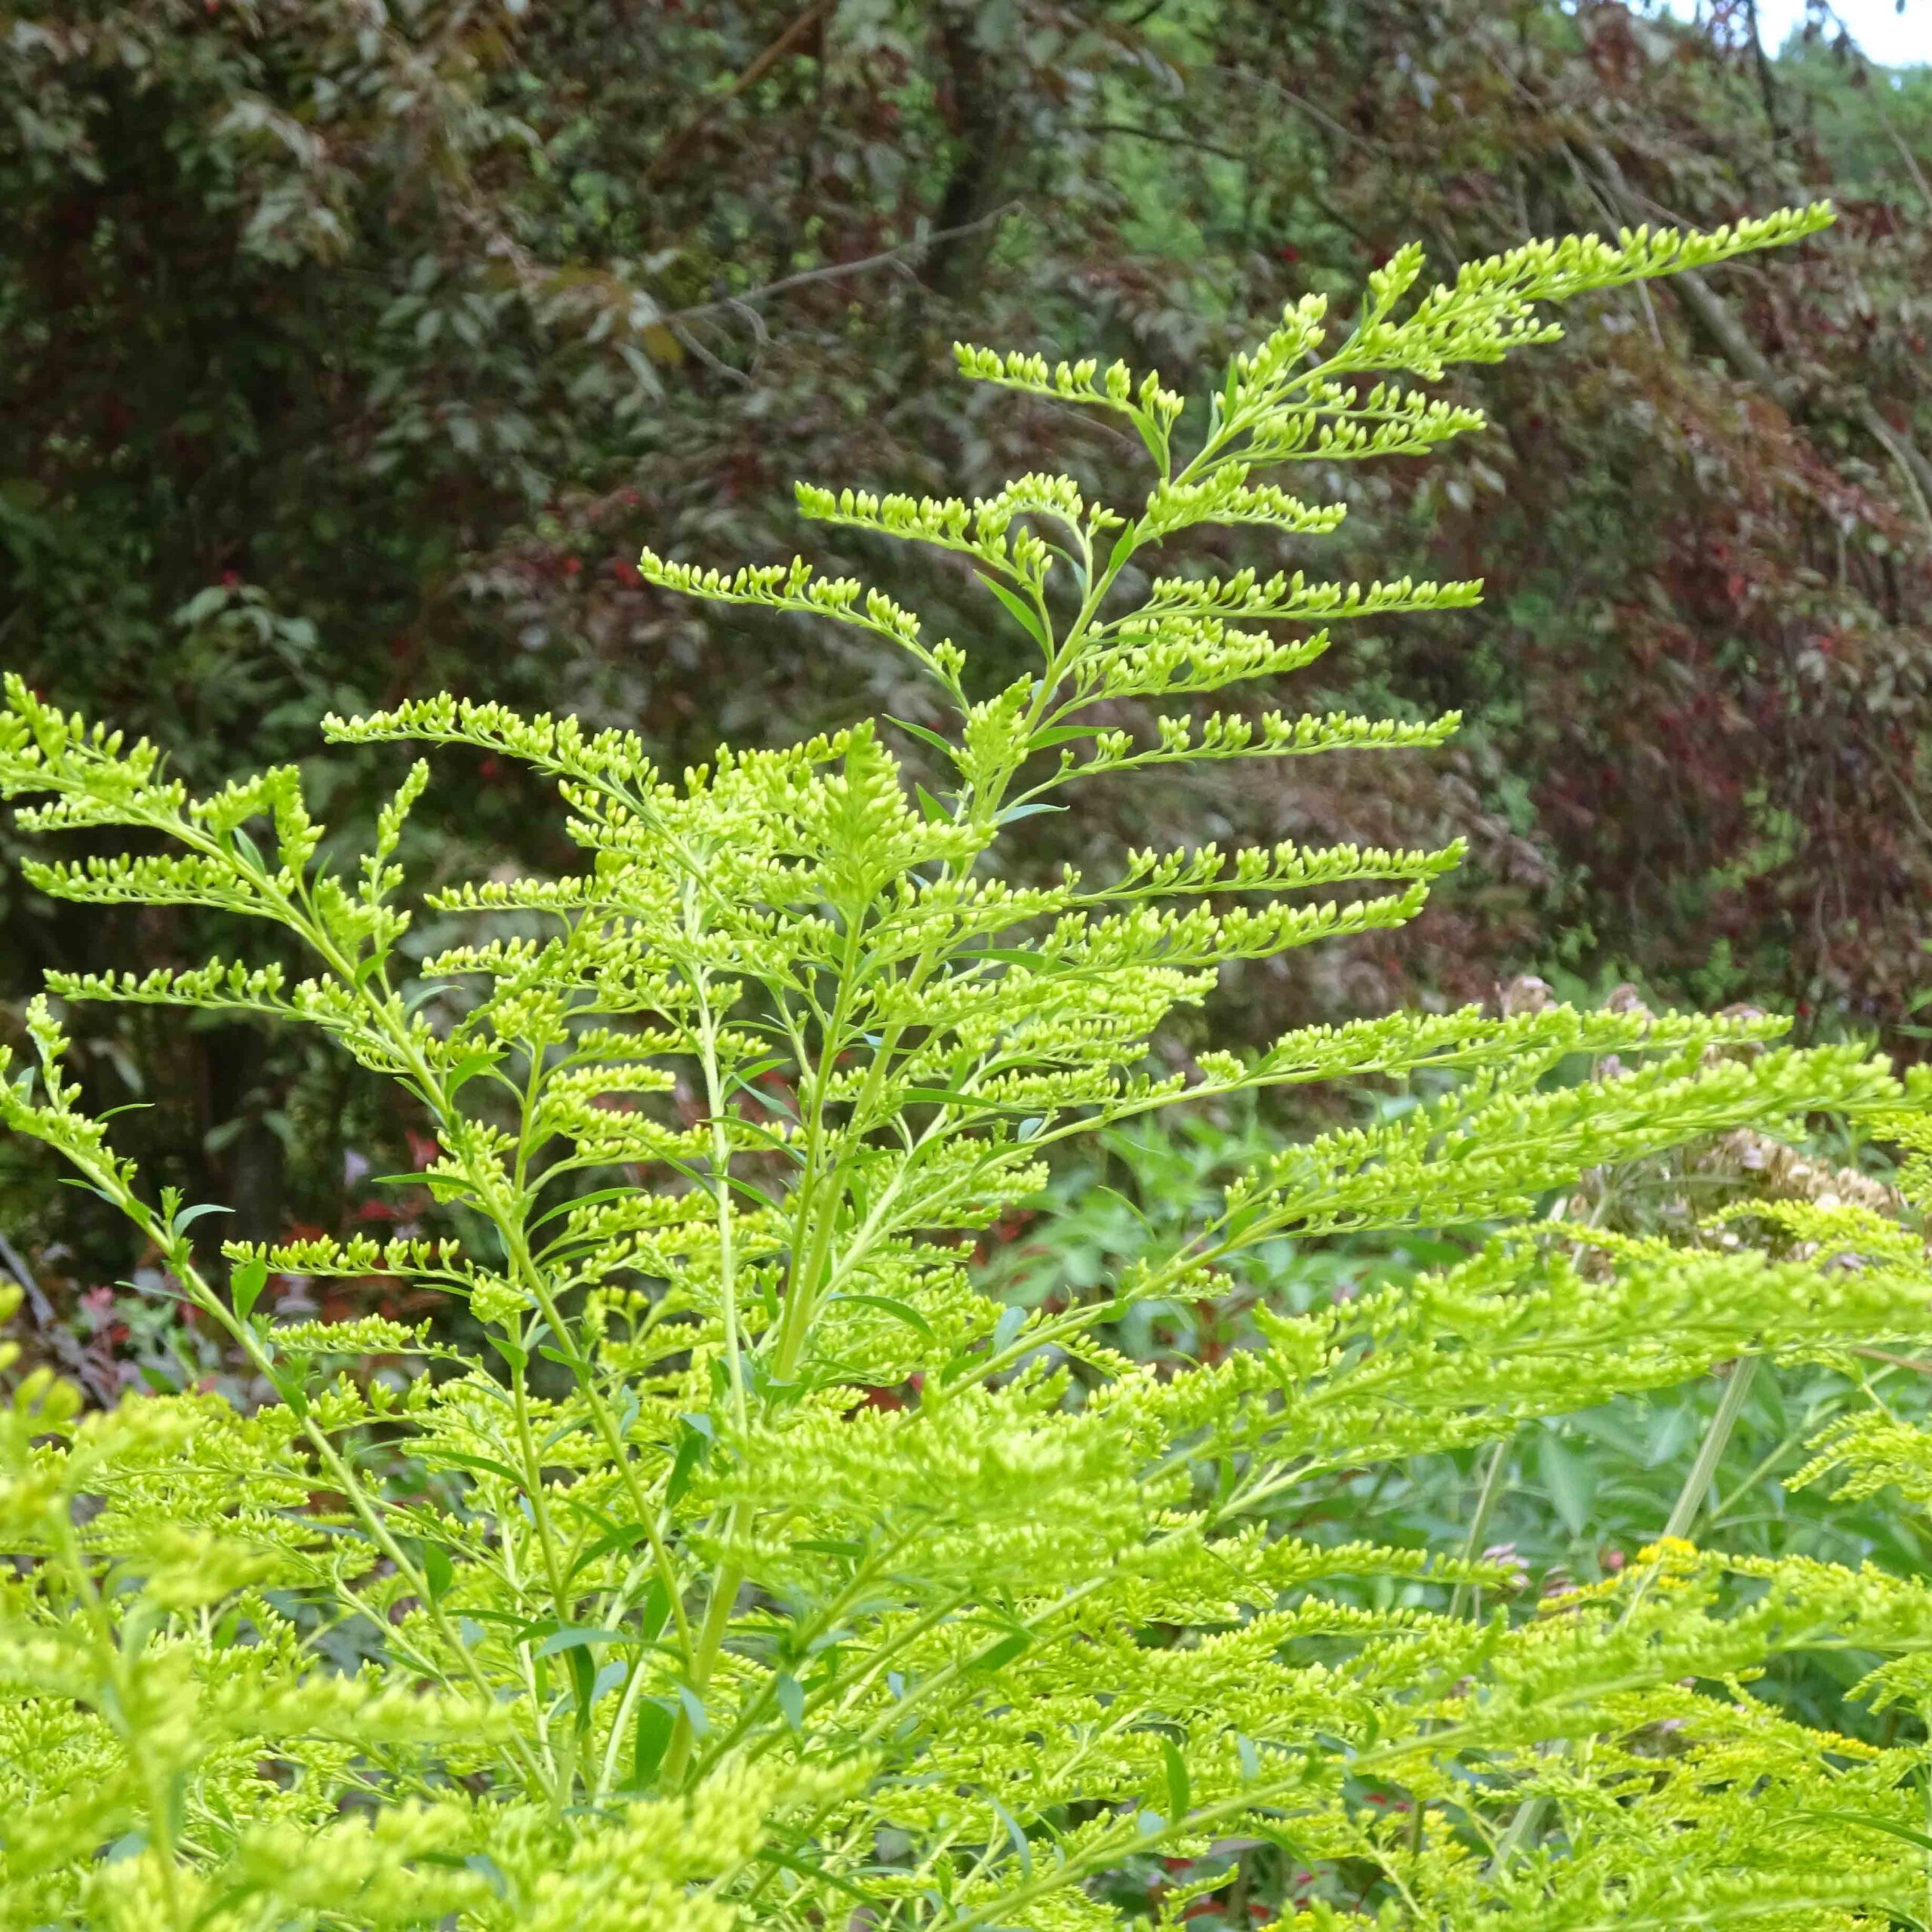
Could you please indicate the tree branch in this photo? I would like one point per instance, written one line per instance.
(900, 256)
(1727, 334)
(1160, 134)
(1909, 457)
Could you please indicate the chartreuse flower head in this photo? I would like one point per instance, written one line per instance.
(756, 1568)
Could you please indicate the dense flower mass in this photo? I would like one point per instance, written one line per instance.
(758, 1568)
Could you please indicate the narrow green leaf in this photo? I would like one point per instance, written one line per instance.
(792, 1862)
(1022, 1846)
(791, 1696)
(290, 1390)
(245, 1284)
(467, 1069)
(943, 746)
(655, 1609)
(250, 854)
(464, 1460)
(482, 1862)
(1922, 1839)
(1180, 1798)
(743, 1076)
(188, 1216)
(691, 1449)
(899, 1310)
(694, 1710)
(1022, 615)
(622, 1538)
(997, 1657)
(578, 1637)
(653, 1734)
(1012, 955)
(580, 1201)
(87, 1187)
(438, 1571)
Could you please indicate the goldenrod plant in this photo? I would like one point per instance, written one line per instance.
(760, 1569)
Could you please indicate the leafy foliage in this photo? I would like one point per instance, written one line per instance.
(1569, 1499)
(345, 364)
(1696, 706)
(699, 1630)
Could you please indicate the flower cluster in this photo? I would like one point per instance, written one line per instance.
(646, 1614)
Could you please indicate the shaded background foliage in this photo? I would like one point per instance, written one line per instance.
(354, 348)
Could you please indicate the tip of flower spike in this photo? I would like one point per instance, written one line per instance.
(1673, 1551)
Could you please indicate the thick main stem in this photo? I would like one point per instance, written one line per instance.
(1710, 1452)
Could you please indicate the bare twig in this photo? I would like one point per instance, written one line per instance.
(1767, 87)
(1165, 136)
(1318, 116)
(1598, 193)
(716, 364)
(1732, 340)
(1895, 1361)
(899, 258)
(10, 1256)
(1906, 155)
(1903, 451)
